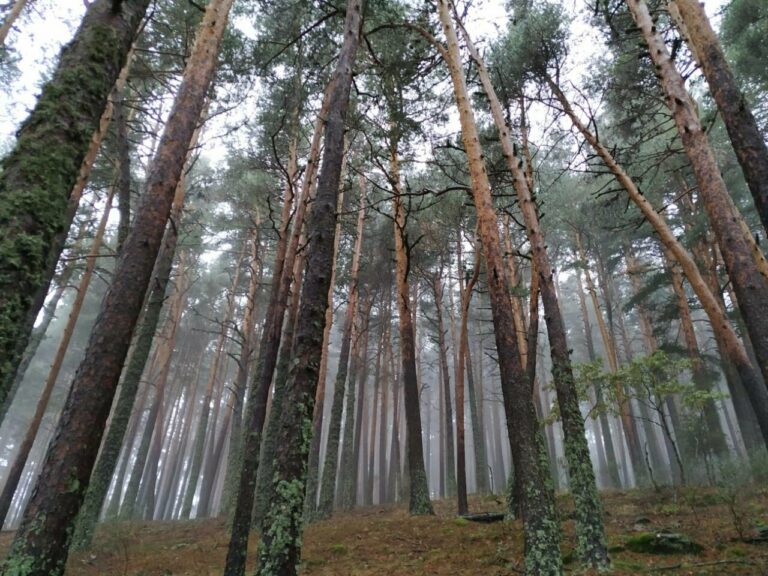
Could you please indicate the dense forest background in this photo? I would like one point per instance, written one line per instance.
(269, 260)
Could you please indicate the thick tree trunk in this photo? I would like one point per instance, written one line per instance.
(313, 472)
(541, 529)
(40, 545)
(742, 128)
(720, 323)
(350, 334)
(38, 333)
(419, 502)
(591, 547)
(280, 551)
(118, 424)
(269, 346)
(39, 173)
(17, 466)
(743, 258)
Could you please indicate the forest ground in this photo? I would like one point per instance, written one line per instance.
(385, 540)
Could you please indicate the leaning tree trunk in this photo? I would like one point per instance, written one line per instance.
(39, 332)
(258, 392)
(747, 141)
(280, 551)
(540, 525)
(419, 502)
(39, 173)
(121, 415)
(743, 258)
(40, 545)
(16, 9)
(591, 547)
(720, 323)
(17, 466)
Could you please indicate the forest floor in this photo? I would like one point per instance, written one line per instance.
(386, 541)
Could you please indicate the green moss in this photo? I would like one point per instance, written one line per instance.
(662, 543)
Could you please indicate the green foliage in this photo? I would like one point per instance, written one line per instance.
(744, 29)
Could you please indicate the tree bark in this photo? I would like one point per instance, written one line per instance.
(16, 9)
(258, 392)
(40, 171)
(719, 321)
(419, 502)
(40, 545)
(747, 141)
(118, 424)
(541, 529)
(38, 333)
(280, 552)
(743, 258)
(591, 547)
(17, 466)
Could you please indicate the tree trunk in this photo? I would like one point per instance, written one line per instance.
(200, 436)
(368, 499)
(743, 258)
(386, 378)
(466, 298)
(605, 439)
(720, 323)
(16, 9)
(40, 545)
(747, 141)
(347, 464)
(451, 470)
(40, 171)
(419, 502)
(38, 333)
(258, 392)
(350, 455)
(17, 466)
(633, 443)
(118, 424)
(280, 551)
(591, 547)
(349, 333)
(240, 383)
(541, 529)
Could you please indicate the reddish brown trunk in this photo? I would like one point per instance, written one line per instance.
(41, 542)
